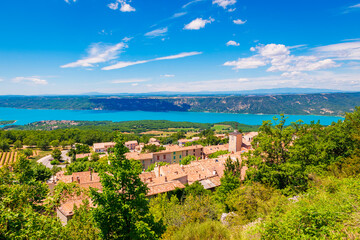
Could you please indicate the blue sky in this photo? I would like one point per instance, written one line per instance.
(115, 46)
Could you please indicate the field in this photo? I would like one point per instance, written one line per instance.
(221, 128)
(7, 158)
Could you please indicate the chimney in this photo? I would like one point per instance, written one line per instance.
(214, 172)
(72, 179)
(150, 179)
(78, 179)
(165, 178)
(90, 176)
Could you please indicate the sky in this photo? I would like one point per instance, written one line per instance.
(138, 46)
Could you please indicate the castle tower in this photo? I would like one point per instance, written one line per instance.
(235, 141)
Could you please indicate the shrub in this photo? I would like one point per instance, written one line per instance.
(54, 162)
(198, 231)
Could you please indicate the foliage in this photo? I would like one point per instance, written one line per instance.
(196, 189)
(152, 148)
(56, 154)
(122, 208)
(4, 145)
(321, 213)
(26, 170)
(152, 166)
(82, 224)
(18, 144)
(188, 159)
(82, 148)
(198, 231)
(230, 180)
(218, 153)
(55, 162)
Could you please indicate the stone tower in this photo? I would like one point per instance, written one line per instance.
(235, 141)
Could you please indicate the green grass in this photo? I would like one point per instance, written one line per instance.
(221, 128)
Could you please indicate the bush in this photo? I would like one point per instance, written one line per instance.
(54, 162)
(188, 159)
(198, 231)
(218, 153)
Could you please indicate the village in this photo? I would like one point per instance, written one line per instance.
(166, 170)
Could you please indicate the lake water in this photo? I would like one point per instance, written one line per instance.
(25, 116)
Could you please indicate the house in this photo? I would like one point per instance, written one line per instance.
(250, 136)
(207, 172)
(83, 155)
(131, 145)
(213, 149)
(103, 147)
(172, 154)
(183, 141)
(154, 141)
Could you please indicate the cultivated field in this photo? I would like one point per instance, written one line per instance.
(7, 158)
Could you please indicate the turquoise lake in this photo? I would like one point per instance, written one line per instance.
(25, 116)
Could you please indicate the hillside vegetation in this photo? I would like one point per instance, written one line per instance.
(303, 104)
(302, 182)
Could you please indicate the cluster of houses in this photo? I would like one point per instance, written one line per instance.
(207, 171)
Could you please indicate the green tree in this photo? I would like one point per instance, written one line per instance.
(43, 144)
(4, 145)
(122, 207)
(55, 143)
(56, 154)
(28, 152)
(188, 159)
(18, 144)
(271, 161)
(231, 179)
(95, 157)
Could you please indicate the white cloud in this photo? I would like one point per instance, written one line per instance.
(119, 65)
(34, 80)
(180, 55)
(355, 6)
(341, 51)
(232, 43)
(124, 6)
(113, 6)
(273, 50)
(319, 79)
(69, 1)
(224, 3)
(191, 2)
(127, 39)
(176, 15)
(157, 32)
(279, 58)
(198, 23)
(1, 79)
(134, 84)
(129, 81)
(246, 63)
(98, 53)
(239, 21)
(167, 75)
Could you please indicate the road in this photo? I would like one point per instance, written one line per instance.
(47, 159)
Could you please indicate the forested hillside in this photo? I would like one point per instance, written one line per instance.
(302, 182)
(302, 104)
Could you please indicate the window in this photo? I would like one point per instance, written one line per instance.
(180, 156)
(174, 152)
(174, 158)
(158, 157)
(164, 156)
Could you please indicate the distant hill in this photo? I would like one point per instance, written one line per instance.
(212, 93)
(313, 104)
